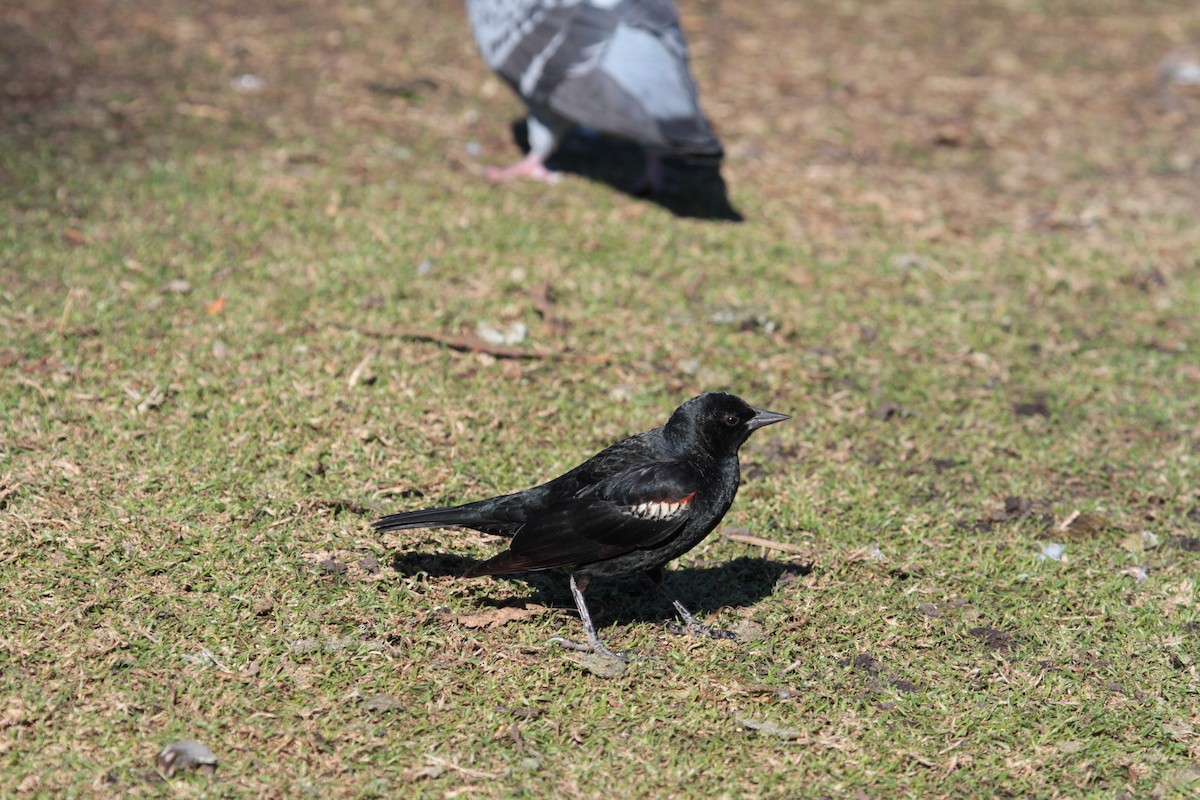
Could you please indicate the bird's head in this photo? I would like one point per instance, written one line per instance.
(716, 422)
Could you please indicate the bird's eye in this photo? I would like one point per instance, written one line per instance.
(732, 420)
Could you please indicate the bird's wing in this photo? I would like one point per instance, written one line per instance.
(642, 86)
(634, 510)
(537, 44)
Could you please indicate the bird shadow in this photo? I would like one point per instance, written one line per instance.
(695, 191)
(738, 583)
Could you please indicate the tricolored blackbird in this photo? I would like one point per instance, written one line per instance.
(630, 508)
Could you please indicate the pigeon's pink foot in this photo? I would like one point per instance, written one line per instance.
(529, 167)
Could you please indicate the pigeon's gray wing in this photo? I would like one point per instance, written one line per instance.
(615, 66)
(536, 45)
(642, 88)
(501, 25)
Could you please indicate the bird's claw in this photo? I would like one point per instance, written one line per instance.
(701, 630)
(523, 169)
(583, 647)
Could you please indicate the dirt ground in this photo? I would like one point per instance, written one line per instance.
(968, 267)
(940, 120)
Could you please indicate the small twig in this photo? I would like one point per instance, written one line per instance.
(66, 313)
(473, 344)
(357, 372)
(1066, 523)
(758, 541)
(467, 344)
(539, 295)
(35, 386)
(473, 773)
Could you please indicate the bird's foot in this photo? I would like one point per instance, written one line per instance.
(698, 629)
(587, 647)
(529, 167)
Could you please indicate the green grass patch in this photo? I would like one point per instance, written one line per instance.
(220, 361)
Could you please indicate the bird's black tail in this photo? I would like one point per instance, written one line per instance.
(468, 515)
(424, 518)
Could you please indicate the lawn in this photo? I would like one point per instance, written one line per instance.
(248, 253)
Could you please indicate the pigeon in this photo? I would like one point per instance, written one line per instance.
(616, 67)
(631, 508)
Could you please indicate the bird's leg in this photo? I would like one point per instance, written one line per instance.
(542, 141)
(691, 625)
(531, 166)
(594, 645)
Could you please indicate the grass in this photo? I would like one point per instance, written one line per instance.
(987, 343)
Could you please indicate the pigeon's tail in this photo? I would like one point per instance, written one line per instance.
(470, 515)
(691, 139)
(700, 158)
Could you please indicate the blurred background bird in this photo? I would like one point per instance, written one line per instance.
(617, 67)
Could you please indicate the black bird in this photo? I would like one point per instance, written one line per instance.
(630, 508)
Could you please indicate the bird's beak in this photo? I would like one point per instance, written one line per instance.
(762, 418)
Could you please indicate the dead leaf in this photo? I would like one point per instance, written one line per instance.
(69, 469)
(13, 713)
(865, 662)
(333, 566)
(495, 617)
(202, 111)
(423, 773)
(1037, 407)
(1179, 729)
(887, 410)
(1085, 525)
(1137, 572)
(186, 754)
(539, 295)
(503, 334)
(215, 307)
(1014, 508)
(748, 631)
(75, 237)
(768, 728)
(995, 639)
(382, 703)
(601, 665)
(1178, 783)
(1133, 543)
(950, 134)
